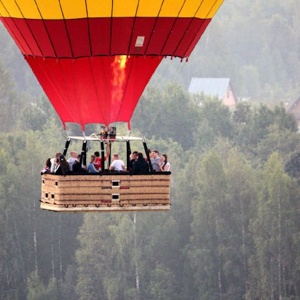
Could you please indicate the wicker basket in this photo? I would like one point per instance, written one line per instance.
(106, 192)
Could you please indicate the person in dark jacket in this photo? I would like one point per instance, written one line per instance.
(140, 166)
(47, 168)
(77, 167)
(63, 166)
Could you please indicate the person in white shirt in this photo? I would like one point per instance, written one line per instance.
(71, 159)
(117, 164)
(55, 162)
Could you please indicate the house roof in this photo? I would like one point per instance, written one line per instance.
(293, 104)
(209, 86)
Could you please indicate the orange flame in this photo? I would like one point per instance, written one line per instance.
(119, 76)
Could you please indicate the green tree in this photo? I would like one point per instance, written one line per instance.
(217, 254)
(10, 102)
(167, 114)
(36, 289)
(273, 270)
(284, 141)
(32, 240)
(241, 192)
(35, 113)
(254, 124)
(214, 121)
(96, 274)
(161, 284)
(206, 250)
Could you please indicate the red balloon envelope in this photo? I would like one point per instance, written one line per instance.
(101, 89)
(94, 58)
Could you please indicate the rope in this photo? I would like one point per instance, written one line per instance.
(158, 113)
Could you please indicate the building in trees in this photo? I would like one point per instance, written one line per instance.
(214, 87)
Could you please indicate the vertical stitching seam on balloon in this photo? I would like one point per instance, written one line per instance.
(14, 36)
(89, 29)
(72, 53)
(74, 75)
(212, 7)
(201, 24)
(66, 26)
(190, 22)
(111, 25)
(57, 86)
(13, 20)
(46, 29)
(26, 21)
(63, 90)
(173, 25)
(133, 25)
(156, 19)
(90, 61)
(105, 102)
(96, 88)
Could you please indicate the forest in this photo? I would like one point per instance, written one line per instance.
(233, 228)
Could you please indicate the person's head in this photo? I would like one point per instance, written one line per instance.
(134, 155)
(78, 157)
(97, 154)
(155, 153)
(57, 156)
(93, 157)
(64, 165)
(164, 158)
(73, 154)
(115, 156)
(140, 156)
(48, 162)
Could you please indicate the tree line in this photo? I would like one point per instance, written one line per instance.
(232, 231)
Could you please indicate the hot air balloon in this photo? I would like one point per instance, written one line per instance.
(94, 58)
